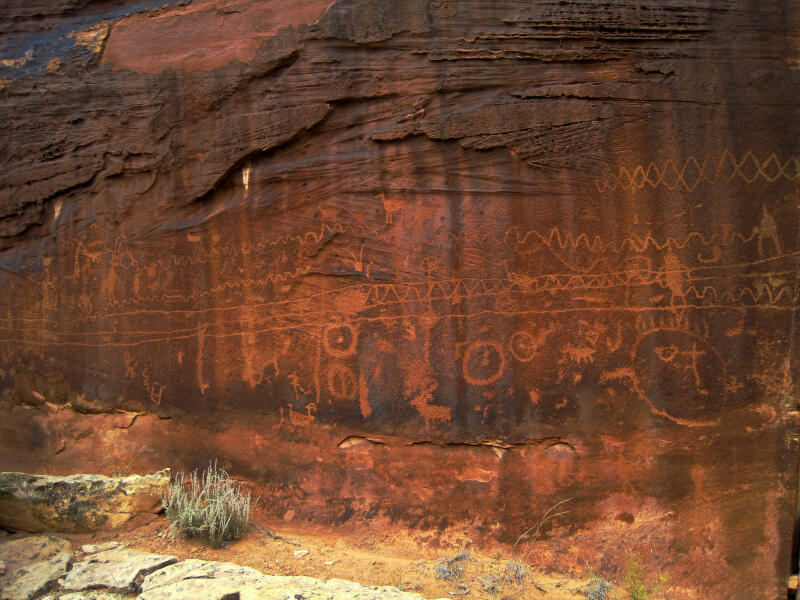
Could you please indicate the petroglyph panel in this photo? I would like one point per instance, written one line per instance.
(566, 311)
(436, 264)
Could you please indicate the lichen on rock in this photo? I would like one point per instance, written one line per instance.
(76, 503)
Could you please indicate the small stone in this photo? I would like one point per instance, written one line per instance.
(92, 548)
(300, 553)
(2, 568)
(331, 562)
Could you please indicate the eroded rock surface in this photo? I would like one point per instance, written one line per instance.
(33, 566)
(76, 503)
(192, 579)
(92, 548)
(119, 570)
(198, 569)
(433, 263)
(90, 595)
(41, 568)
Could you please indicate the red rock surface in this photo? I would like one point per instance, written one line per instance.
(443, 262)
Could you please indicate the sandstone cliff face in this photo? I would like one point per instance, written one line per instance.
(447, 262)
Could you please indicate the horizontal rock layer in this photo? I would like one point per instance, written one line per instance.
(77, 503)
(443, 263)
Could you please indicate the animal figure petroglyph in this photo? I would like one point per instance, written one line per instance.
(579, 354)
(431, 412)
(391, 206)
(299, 419)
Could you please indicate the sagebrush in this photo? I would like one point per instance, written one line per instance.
(210, 506)
(597, 588)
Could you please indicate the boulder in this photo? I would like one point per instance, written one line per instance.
(33, 565)
(76, 503)
(118, 570)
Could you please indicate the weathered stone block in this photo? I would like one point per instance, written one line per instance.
(76, 503)
(118, 570)
(33, 565)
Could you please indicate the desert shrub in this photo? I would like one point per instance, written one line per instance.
(448, 572)
(597, 588)
(451, 569)
(490, 583)
(210, 506)
(515, 571)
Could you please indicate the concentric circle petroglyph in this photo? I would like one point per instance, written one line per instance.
(484, 362)
(522, 346)
(340, 340)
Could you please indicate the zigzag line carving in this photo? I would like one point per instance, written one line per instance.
(693, 172)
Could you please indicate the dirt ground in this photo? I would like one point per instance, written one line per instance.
(366, 554)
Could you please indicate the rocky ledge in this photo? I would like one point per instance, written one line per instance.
(44, 568)
(76, 503)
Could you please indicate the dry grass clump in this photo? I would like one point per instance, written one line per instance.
(535, 531)
(491, 584)
(451, 569)
(597, 588)
(515, 572)
(211, 506)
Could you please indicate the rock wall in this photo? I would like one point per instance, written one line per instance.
(439, 262)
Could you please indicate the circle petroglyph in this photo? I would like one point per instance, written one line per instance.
(341, 382)
(522, 346)
(340, 340)
(484, 362)
(680, 375)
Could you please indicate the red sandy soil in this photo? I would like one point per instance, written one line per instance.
(374, 554)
